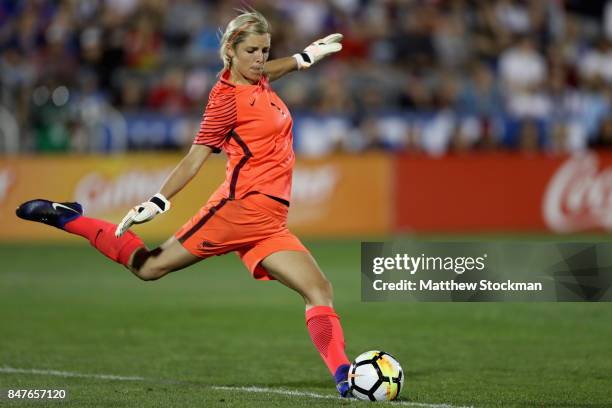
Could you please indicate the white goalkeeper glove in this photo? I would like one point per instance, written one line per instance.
(318, 50)
(143, 212)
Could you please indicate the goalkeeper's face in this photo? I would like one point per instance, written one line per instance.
(249, 57)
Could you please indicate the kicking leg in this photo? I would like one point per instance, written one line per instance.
(299, 271)
(128, 250)
(156, 263)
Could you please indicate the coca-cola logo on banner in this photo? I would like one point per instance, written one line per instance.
(579, 196)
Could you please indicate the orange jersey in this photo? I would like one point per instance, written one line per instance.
(253, 126)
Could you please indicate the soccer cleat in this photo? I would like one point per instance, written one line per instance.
(342, 384)
(49, 212)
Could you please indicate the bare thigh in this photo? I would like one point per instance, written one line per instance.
(299, 271)
(156, 263)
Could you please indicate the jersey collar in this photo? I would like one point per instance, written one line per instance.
(262, 84)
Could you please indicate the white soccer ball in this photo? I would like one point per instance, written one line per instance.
(376, 376)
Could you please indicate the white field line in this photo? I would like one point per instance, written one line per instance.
(11, 370)
(280, 391)
(262, 390)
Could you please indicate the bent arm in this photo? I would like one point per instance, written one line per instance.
(185, 170)
(279, 67)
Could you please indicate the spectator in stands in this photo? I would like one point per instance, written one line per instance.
(529, 136)
(521, 67)
(143, 44)
(511, 60)
(603, 138)
(169, 94)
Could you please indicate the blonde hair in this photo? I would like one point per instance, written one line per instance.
(247, 23)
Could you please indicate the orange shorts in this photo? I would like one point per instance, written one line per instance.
(254, 227)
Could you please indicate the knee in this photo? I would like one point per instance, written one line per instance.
(321, 294)
(326, 287)
(146, 265)
(150, 274)
(148, 278)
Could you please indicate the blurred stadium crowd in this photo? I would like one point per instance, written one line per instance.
(417, 75)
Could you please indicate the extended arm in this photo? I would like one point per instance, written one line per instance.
(279, 67)
(311, 55)
(185, 170)
(176, 181)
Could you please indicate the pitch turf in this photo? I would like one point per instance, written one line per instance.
(190, 334)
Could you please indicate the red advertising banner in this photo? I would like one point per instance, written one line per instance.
(338, 196)
(504, 192)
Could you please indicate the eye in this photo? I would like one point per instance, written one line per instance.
(266, 50)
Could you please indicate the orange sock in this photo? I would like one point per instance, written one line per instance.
(101, 235)
(326, 334)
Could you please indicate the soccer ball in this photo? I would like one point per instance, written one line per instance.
(376, 376)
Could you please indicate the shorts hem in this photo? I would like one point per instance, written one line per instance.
(190, 249)
(252, 259)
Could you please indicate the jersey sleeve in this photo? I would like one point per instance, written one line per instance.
(218, 120)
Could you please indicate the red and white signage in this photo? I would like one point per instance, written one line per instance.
(579, 195)
(501, 192)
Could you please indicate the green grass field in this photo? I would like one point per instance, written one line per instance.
(197, 337)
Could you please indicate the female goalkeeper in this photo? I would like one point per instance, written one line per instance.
(248, 213)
